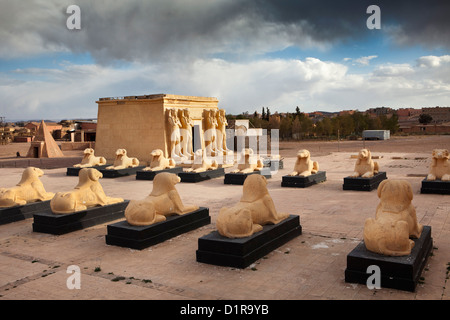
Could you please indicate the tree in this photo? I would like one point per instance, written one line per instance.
(296, 128)
(268, 114)
(392, 124)
(327, 126)
(360, 121)
(425, 118)
(306, 125)
(274, 121)
(286, 127)
(297, 112)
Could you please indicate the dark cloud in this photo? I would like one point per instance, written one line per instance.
(165, 30)
(419, 22)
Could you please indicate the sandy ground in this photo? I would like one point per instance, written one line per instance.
(309, 267)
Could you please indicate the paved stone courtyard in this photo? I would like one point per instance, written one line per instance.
(309, 267)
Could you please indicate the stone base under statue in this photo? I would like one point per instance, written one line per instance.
(435, 186)
(303, 182)
(201, 176)
(17, 213)
(48, 222)
(139, 237)
(121, 172)
(241, 252)
(402, 273)
(239, 178)
(150, 175)
(73, 171)
(364, 184)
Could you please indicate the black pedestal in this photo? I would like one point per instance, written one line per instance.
(121, 172)
(17, 213)
(303, 182)
(139, 237)
(150, 175)
(402, 273)
(240, 253)
(364, 184)
(201, 176)
(48, 222)
(73, 171)
(436, 186)
(239, 178)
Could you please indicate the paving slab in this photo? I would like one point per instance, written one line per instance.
(311, 266)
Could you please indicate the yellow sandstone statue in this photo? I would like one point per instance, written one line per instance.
(202, 163)
(304, 166)
(365, 167)
(255, 209)
(163, 201)
(248, 162)
(159, 161)
(175, 134)
(221, 133)
(440, 165)
(122, 161)
(395, 221)
(210, 132)
(29, 189)
(186, 133)
(90, 160)
(88, 193)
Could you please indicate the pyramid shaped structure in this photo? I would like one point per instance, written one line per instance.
(43, 145)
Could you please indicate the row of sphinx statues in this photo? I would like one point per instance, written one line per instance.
(389, 233)
(158, 161)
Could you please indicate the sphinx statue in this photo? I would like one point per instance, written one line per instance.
(90, 160)
(87, 194)
(122, 161)
(255, 209)
(365, 167)
(249, 162)
(202, 163)
(29, 189)
(163, 201)
(304, 166)
(159, 161)
(440, 165)
(395, 220)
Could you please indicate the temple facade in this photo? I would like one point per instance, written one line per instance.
(141, 124)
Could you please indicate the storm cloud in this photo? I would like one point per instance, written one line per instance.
(167, 30)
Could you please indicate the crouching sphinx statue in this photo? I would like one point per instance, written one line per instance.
(255, 209)
(159, 161)
(440, 165)
(249, 162)
(395, 221)
(304, 166)
(29, 189)
(163, 201)
(122, 161)
(365, 167)
(90, 160)
(88, 193)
